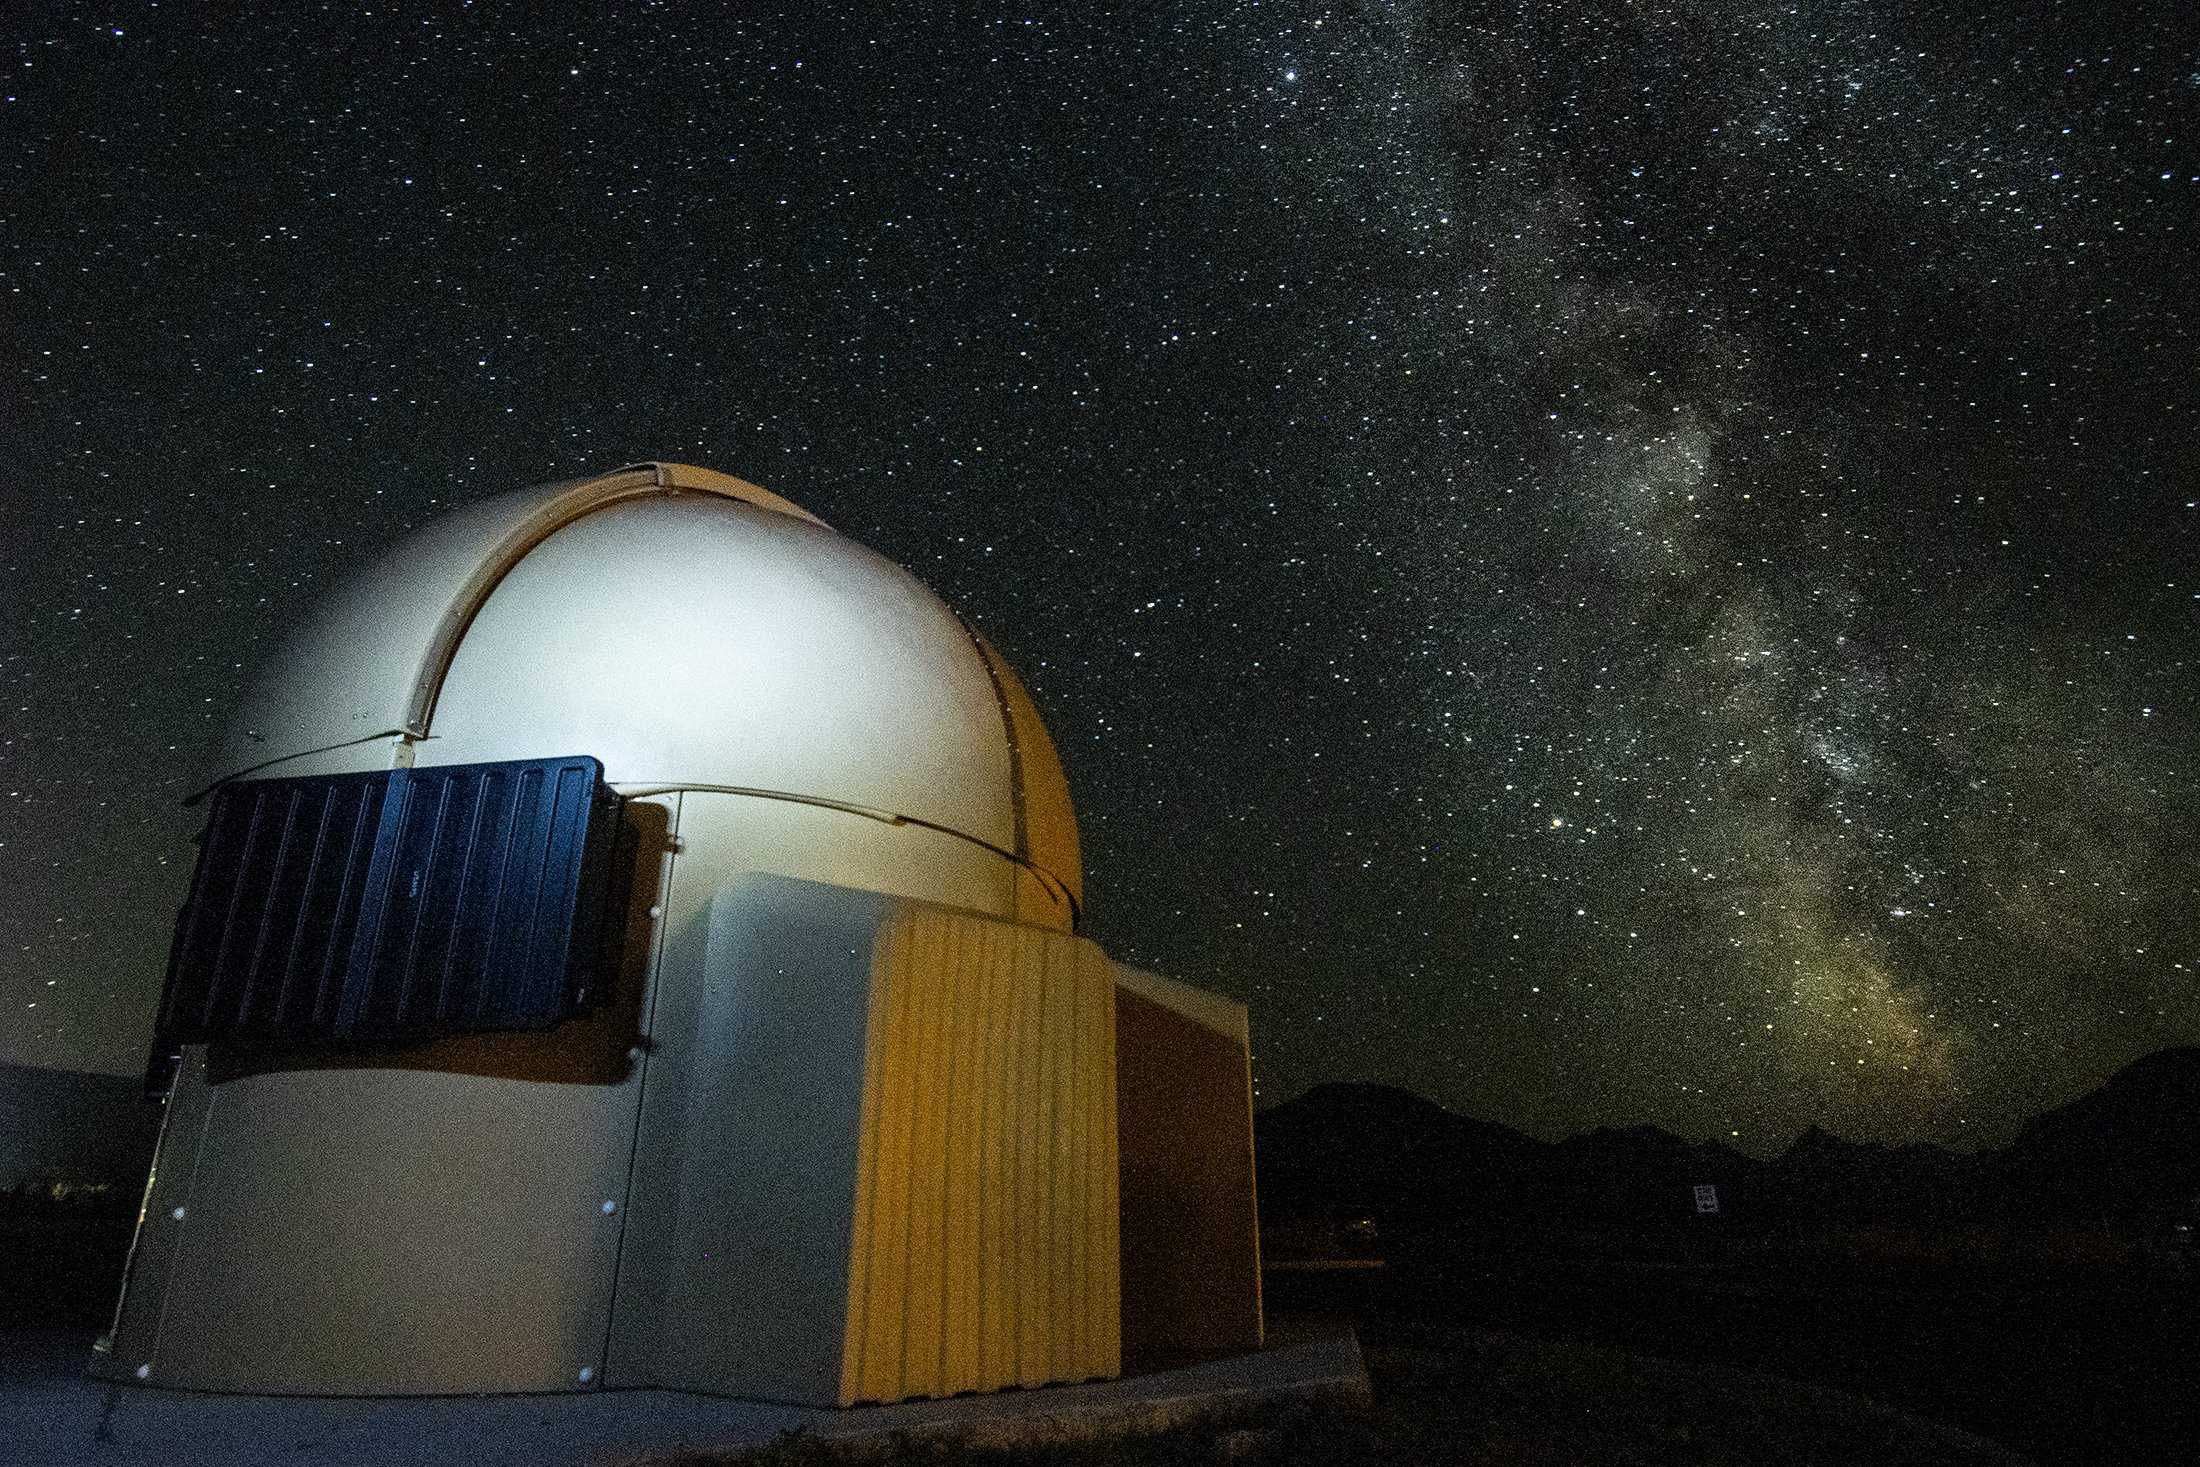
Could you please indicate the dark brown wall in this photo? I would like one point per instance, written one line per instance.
(1191, 1252)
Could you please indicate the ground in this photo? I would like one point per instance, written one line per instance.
(1485, 1399)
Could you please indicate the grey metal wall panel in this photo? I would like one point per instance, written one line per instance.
(380, 1232)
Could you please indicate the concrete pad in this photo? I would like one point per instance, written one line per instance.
(55, 1413)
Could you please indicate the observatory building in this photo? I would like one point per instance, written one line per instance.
(634, 942)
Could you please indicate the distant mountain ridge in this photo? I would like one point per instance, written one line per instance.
(2133, 1143)
(2127, 1153)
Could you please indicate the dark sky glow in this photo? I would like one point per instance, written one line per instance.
(1605, 562)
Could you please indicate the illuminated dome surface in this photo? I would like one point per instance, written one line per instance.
(690, 630)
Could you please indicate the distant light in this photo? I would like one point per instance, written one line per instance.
(1287, 76)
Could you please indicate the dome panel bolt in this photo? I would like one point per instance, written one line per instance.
(588, 1373)
(144, 1372)
(176, 1213)
(610, 1205)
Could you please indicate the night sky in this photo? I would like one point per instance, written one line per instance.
(1606, 563)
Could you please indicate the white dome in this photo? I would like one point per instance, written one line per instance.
(687, 629)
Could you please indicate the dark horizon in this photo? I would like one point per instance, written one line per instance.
(2186, 1055)
(1605, 568)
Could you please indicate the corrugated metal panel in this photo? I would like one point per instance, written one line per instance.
(985, 1250)
(398, 903)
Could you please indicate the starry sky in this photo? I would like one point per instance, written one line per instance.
(1606, 562)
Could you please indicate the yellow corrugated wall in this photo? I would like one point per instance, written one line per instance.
(984, 1251)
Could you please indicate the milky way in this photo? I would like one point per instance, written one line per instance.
(1606, 563)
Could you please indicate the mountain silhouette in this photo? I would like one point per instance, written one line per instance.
(1357, 1146)
(2127, 1152)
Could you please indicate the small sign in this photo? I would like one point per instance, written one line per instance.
(1707, 1197)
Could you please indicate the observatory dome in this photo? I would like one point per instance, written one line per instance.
(633, 912)
(698, 634)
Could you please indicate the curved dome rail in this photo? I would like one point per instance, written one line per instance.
(582, 497)
(1045, 877)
